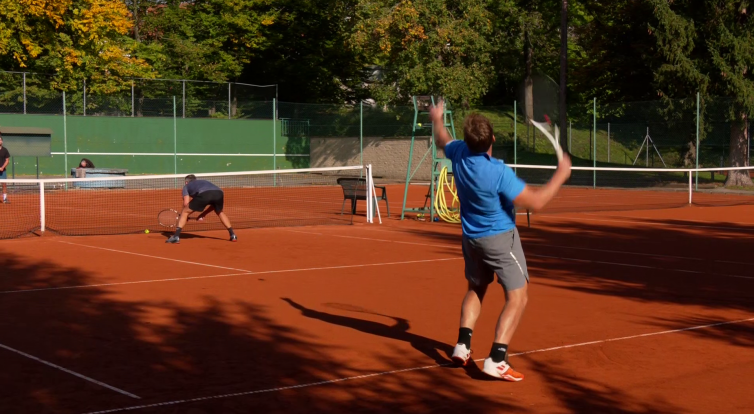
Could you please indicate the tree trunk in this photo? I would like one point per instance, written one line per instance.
(562, 110)
(528, 88)
(137, 37)
(739, 153)
(528, 82)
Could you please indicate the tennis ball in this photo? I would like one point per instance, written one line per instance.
(146, 231)
(419, 125)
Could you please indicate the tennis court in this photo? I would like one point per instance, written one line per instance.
(639, 309)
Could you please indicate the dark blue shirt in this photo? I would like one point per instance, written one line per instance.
(197, 187)
(486, 189)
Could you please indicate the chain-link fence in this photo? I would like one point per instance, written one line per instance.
(661, 133)
(32, 93)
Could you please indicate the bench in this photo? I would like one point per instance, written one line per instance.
(355, 189)
(98, 172)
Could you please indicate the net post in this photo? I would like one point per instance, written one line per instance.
(691, 187)
(369, 193)
(42, 212)
(697, 140)
(374, 197)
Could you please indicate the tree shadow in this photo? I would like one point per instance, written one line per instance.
(652, 261)
(583, 395)
(167, 342)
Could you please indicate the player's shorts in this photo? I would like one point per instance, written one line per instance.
(499, 254)
(3, 175)
(214, 198)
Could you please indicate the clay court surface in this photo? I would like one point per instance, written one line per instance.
(638, 311)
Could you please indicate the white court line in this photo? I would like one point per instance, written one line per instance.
(448, 246)
(742, 223)
(563, 216)
(68, 371)
(246, 273)
(639, 254)
(696, 272)
(153, 257)
(400, 371)
(596, 250)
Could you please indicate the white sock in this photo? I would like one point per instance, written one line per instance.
(5, 196)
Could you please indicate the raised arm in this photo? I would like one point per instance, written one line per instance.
(537, 198)
(436, 114)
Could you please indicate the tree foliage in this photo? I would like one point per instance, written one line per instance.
(74, 39)
(437, 47)
(708, 46)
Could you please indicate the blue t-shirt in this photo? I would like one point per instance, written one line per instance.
(197, 187)
(486, 189)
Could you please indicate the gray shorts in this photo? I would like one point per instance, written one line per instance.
(501, 255)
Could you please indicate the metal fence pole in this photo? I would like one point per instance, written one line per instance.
(133, 110)
(697, 140)
(515, 135)
(594, 182)
(608, 142)
(184, 98)
(228, 100)
(65, 139)
(175, 139)
(84, 97)
(24, 93)
(274, 137)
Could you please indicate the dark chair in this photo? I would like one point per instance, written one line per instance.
(355, 189)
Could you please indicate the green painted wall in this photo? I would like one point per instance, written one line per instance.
(156, 135)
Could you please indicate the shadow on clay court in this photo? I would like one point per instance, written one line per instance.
(188, 236)
(580, 394)
(650, 261)
(163, 346)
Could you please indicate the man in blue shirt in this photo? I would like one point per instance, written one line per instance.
(201, 195)
(488, 190)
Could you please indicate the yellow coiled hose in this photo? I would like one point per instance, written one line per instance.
(450, 214)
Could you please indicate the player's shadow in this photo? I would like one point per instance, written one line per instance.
(440, 352)
(187, 236)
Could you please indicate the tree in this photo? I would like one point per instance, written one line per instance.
(308, 52)
(74, 39)
(201, 39)
(708, 46)
(439, 47)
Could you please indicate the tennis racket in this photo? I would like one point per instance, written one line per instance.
(169, 218)
(540, 97)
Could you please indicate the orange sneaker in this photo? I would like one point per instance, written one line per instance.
(501, 370)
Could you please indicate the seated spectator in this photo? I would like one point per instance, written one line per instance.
(86, 163)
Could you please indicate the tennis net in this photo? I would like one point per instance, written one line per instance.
(623, 189)
(131, 204)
